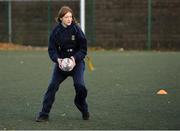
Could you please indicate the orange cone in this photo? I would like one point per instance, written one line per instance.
(162, 92)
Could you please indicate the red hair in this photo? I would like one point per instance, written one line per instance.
(63, 11)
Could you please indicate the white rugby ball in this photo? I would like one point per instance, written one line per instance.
(67, 64)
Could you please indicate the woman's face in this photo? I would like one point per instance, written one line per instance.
(67, 19)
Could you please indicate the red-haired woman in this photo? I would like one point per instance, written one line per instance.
(66, 41)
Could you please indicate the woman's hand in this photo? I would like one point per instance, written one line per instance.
(59, 62)
(74, 62)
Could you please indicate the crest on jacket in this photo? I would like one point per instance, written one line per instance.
(73, 37)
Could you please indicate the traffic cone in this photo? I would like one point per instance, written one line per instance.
(162, 92)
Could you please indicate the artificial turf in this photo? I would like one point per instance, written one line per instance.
(121, 91)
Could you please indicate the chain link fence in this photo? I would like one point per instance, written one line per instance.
(127, 24)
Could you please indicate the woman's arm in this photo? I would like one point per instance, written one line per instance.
(81, 39)
(52, 48)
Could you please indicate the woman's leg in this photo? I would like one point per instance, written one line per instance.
(81, 91)
(53, 87)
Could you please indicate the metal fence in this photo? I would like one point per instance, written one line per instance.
(128, 24)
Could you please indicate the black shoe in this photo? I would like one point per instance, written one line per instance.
(42, 119)
(85, 116)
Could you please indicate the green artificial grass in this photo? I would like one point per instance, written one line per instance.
(121, 91)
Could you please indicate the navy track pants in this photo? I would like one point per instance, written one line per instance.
(58, 77)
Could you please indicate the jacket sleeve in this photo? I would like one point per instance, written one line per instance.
(52, 48)
(81, 39)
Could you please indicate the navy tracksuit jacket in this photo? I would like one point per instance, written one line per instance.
(66, 42)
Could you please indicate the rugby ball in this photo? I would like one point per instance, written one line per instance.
(67, 64)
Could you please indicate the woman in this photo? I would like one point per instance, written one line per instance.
(66, 41)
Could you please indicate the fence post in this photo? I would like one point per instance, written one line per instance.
(90, 22)
(9, 22)
(82, 15)
(149, 31)
(49, 17)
